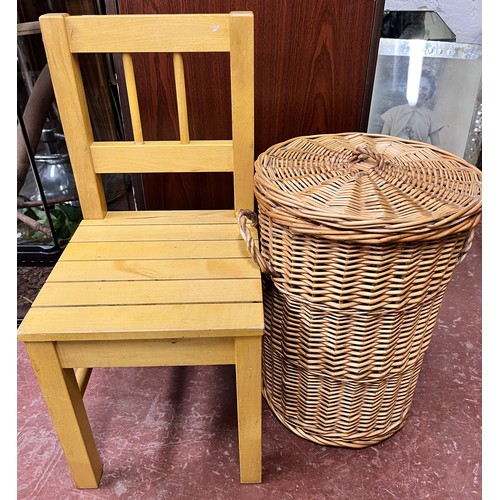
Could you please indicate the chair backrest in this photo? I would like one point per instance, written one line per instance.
(66, 36)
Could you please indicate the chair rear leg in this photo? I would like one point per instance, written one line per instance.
(65, 404)
(249, 398)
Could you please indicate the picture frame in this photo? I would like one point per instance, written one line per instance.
(450, 73)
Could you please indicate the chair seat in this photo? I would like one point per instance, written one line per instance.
(150, 275)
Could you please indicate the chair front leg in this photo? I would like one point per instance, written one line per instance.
(249, 399)
(65, 404)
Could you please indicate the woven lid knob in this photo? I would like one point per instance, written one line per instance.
(365, 158)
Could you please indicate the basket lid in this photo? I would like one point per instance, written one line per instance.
(367, 186)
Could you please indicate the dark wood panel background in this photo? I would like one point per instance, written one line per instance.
(312, 69)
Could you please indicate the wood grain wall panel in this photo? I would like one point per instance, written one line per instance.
(311, 61)
(209, 113)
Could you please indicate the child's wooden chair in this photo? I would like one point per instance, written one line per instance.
(149, 288)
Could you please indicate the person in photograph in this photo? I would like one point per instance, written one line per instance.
(419, 122)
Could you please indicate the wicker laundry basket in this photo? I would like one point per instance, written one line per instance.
(359, 236)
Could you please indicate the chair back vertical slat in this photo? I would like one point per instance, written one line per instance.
(180, 89)
(242, 107)
(69, 90)
(133, 101)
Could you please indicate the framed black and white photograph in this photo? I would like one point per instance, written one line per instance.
(429, 91)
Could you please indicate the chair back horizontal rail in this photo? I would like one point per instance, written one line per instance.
(149, 33)
(162, 156)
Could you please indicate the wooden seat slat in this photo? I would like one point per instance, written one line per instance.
(129, 217)
(149, 292)
(156, 232)
(153, 269)
(150, 250)
(141, 322)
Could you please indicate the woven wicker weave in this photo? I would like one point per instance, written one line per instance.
(359, 236)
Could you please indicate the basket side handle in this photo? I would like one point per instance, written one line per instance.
(466, 248)
(247, 215)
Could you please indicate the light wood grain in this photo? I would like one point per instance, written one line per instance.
(157, 232)
(68, 88)
(154, 33)
(151, 270)
(64, 401)
(166, 217)
(150, 292)
(180, 92)
(82, 378)
(248, 393)
(133, 102)
(242, 90)
(142, 322)
(148, 250)
(162, 156)
(130, 353)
